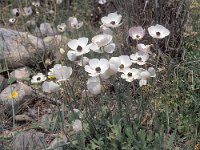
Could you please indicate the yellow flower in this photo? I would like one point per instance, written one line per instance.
(13, 94)
(51, 77)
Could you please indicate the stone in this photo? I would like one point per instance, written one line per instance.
(3, 82)
(21, 73)
(16, 48)
(30, 140)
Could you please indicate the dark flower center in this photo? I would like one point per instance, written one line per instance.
(112, 22)
(139, 58)
(38, 78)
(98, 69)
(17, 14)
(79, 48)
(121, 66)
(137, 36)
(158, 33)
(129, 74)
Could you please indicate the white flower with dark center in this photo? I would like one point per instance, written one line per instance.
(145, 75)
(144, 48)
(60, 72)
(139, 57)
(79, 47)
(74, 23)
(101, 43)
(158, 31)
(136, 33)
(112, 20)
(130, 74)
(77, 125)
(36, 3)
(16, 12)
(12, 20)
(94, 85)
(28, 11)
(38, 78)
(122, 62)
(102, 2)
(97, 67)
(50, 87)
(61, 27)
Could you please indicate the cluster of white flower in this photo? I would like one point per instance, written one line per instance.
(130, 67)
(102, 69)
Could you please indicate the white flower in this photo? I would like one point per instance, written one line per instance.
(145, 75)
(136, 33)
(144, 48)
(71, 55)
(12, 20)
(112, 20)
(27, 11)
(102, 2)
(61, 73)
(59, 1)
(94, 86)
(97, 67)
(130, 74)
(38, 78)
(139, 57)
(112, 70)
(77, 125)
(122, 62)
(74, 23)
(83, 61)
(61, 27)
(106, 30)
(50, 87)
(102, 42)
(36, 4)
(158, 31)
(16, 12)
(79, 47)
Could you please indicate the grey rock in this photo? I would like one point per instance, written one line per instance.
(16, 48)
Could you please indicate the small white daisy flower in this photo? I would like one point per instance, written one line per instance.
(77, 125)
(113, 20)
(38, 78)
(28, 11)
(60, 72)
(97, 67)
(136, 33)
(94, 85)
(12, 20)
(158, 31)
(74, 23)
(61, 27)
(139, 57)
(101, 43)
(79, 46)
(144, 48)
(130, 74)
(50, 87)
(102, 2)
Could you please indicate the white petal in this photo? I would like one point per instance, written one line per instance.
(83, 42)
(110, 48)
(142, 82)
(73, 44)
(94, 63)
(71, 55)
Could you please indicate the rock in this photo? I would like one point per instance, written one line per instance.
(21, 73)
(3, 83)
(22, 118)
(30, 140)
(18, 47)
(16, 94)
